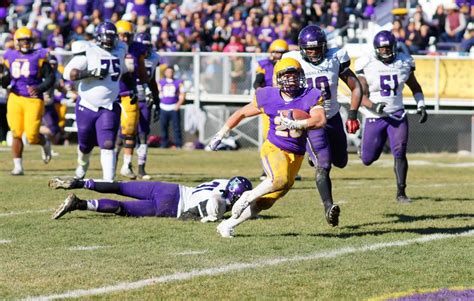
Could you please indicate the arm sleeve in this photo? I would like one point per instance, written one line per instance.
(49, 78)
(259, 80)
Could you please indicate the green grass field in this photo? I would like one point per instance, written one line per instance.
(380, 250)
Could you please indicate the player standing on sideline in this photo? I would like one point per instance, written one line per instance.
(98, 71)
(264, 78)
(283, 152)
(206, 202)
(172, 97)
(383, 75)
(135, 62)
(28, 75)
(146, 98)
(328, 146)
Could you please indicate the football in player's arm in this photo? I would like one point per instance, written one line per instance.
(206, 202)
(283, 152)
(383, 75)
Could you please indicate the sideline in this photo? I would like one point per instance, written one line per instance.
(181, 276)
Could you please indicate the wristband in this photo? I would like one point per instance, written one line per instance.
(352, 114)
(420, 99)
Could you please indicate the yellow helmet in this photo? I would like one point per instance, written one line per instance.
(26, 36)
(293, 84)
(278, 46)
(124, 27)
(23, 33)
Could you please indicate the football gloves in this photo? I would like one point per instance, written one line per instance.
(99, 73)
(378, 107)
(352, 123)
(423, 114)
(292, 124)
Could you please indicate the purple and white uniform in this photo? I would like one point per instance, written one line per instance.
(386, 82)
(97, 113)
(162, 199)
(327, 145)
(135, 50)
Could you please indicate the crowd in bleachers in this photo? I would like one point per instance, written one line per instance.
(238, 25)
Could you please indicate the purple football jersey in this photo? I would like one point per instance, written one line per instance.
(24, 69)
(169, 91)
(270, 102)
(267, 65)
(135, 50)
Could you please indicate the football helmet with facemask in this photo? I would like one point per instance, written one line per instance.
(144, 38)
(235, 188)
(23, 39)
(385, 46)
(106, 35)
(313, 44)
(289, 76)
(125, 31)
(277, 48)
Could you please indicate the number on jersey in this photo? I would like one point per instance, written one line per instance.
(386, 83)
(321, 83)
(20, 69)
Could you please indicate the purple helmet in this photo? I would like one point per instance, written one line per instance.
(144, 38)
(235, 188)
(385, 40)
(106, 35)
(312, 38)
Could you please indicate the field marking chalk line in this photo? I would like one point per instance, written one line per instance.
(181, 276)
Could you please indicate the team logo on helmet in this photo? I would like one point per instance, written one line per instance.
(235, 188)
(106, 35)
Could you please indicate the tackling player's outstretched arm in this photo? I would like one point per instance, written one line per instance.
(415, 88)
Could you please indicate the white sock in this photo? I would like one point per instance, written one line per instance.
(82, 159)
(107, 160)
(18, 163)
(92, 205)
(248, 213)
(141, 154)
(127, 159)
(266, 186)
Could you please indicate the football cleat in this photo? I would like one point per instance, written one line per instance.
(225, 230)
(70, 204)
(332, 215)
(297, 178)
(17, 172)
(403, 199)
(127, 172)
(46, 151)
(63, 183)
(240, 205)
(81, 170)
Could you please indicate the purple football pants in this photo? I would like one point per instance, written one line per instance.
(51, 119)
(144, 119)
(154, 199)
(97, 128)
(328, 145)
(376, 131)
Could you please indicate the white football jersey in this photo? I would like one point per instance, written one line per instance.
(385, 81)
(151, 62)
(206, 199)
(324, 76)
(96, 92)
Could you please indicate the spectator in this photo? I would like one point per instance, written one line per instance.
(172, 97)
(399, 34)
(468, 41)
(455, 24)
(266, 33)
(55, 39)
(334, 20)
(234, 45)
(438, 20)
(369, 10)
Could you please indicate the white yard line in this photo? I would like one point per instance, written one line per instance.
(181, 276)
(186, 253)
(389, 163)
(5, 241)
(24, 212)
(87, 248)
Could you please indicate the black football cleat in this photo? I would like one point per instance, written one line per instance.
(332, 215)
(403, 199)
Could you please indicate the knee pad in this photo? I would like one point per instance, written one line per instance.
(108, 144)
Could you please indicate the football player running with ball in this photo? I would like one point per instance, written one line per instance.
(328, 146)
(283, 151)
(98, 71)
(27, 74)
(383, 75)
